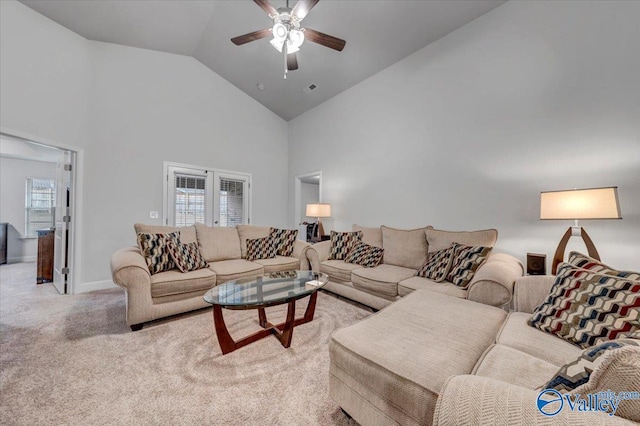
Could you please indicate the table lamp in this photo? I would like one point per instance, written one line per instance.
(318, 211)
(576, 204)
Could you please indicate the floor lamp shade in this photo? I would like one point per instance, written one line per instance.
(579, 204)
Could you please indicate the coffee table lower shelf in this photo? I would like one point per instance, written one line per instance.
(283, 331)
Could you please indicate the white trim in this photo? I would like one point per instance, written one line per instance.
(76, 209)
(95, 285)
(23, 259)
(298, 193)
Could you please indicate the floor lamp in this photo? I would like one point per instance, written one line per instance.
(318, 211)
(577, 204)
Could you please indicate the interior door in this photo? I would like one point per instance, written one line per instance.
(231, 199)
(62, 222)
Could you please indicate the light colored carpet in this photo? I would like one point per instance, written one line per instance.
(73, 360)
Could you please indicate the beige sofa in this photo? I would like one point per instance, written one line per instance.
(405, 251)
(149, 297)
(478, 364)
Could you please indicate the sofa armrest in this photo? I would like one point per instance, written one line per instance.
(300, 251)
(493, 282)
(474, 400)
(530, 292)
(317, 253)
(128, 267)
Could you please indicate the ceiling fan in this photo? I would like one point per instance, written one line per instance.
(288, 36)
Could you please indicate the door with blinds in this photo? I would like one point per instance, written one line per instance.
(196, 195)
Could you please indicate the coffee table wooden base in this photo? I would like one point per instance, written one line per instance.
(283, 331)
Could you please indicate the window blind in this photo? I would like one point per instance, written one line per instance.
(189, 196)
(231, 205)
(40, 205)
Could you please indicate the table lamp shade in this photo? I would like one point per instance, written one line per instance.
(318, 210)
(580, 204)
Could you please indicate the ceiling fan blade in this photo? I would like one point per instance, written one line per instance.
(303, 7)
(324, 39)
(256, 35)
(267, 7)
(292, 62)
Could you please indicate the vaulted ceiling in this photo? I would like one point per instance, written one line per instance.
(378, 34)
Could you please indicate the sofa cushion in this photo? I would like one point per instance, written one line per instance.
(218, 243)
(283, 240)
(260, 248)
(418, 283)
(279, 263)
(371, 236)
(338, 269)
(586, 308)
(246, 232)
(466, 261)
(405, 353)
(187, 257)
(187, 233)
(342, 243)
(154, 249)
(438, 265)
(176, 282)
(382, 279)
(235, 269)
(439, 239)
(404, 247)
(517, 334)
(585, 262)
(510, 365)
(365, 255)
(577, 372)
(618, 372)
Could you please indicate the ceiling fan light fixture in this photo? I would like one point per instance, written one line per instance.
(277, 44)
(296, 37)
(279, 32)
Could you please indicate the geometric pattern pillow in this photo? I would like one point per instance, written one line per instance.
(466, 261)
(577, 372)
(586, 308)
(365, 255)
(438, 265)
(154, 250)
(283, 240)
(260, 248)
(187, 257)
(585, 262)
(342, 243)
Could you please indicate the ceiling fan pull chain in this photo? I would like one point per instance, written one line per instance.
(286, 68)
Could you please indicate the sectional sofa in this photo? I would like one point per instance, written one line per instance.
(405, 251)
(149, 297)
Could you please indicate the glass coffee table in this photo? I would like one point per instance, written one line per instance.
(277, 288)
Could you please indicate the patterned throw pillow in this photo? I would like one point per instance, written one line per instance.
(365, 255)
(283, 240)
(154, 250)
(466, 261)
(342, 243)
(576, 373)
(260, 248)
(187, 257)
(438, 265)
(586, 308)
(585, 262)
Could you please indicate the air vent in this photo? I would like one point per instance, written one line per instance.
(308, 90)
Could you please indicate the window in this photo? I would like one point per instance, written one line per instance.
(195, 194)
(39, 205)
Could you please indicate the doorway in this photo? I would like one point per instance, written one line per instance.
(38, 186)
(307, 190)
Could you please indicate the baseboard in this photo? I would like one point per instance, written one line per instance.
(93, 286)
(22, 259)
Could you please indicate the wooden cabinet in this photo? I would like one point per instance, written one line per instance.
(45, 255)
(3, 242)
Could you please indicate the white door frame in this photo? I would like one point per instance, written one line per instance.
(297, 194)
(75, 208)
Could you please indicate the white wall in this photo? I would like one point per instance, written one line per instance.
(466, 132)
(13, 175)
(309, 194)
(129, 110)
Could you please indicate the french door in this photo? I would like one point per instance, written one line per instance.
(198, 195)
